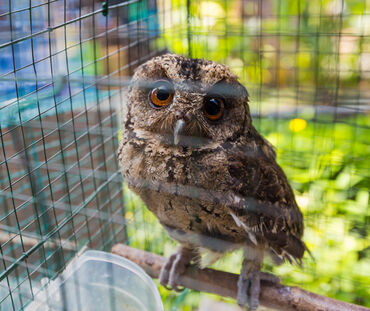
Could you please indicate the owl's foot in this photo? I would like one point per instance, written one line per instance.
(175, 266)
(249, 285)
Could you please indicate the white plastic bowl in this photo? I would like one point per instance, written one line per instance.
(100, 281)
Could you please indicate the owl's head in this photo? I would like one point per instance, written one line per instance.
(188, 101)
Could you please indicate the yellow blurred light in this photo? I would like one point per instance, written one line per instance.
(129, 216)
(297, 125)
(303, 201)
(211, 9)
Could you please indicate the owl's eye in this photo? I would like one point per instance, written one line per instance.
(214, 108)
(161, 95)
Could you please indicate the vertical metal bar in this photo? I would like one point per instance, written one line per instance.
(119, 111)
(60, 260)
(101, 154)
(20, 233)
(24, 157)
(85, 114)
(188, 24)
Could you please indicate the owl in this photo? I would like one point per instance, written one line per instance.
(190, 151)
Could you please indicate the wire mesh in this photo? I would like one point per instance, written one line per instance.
(61, 188)
(63, 68)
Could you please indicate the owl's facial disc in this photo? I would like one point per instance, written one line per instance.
(190, 114)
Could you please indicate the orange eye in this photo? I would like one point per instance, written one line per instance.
(214, 108)
(161, 95)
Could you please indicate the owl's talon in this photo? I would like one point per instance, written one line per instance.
(255, 289)
(249, 287)
(243, 287)
(176, 289)
(179, 289)
(249, 290)
(166, 286)
(173, 268)
(165, 271)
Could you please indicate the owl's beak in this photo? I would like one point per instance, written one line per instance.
(179, 126)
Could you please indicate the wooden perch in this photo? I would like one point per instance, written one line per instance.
(279, 297)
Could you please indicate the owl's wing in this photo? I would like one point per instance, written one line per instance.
(268, 209)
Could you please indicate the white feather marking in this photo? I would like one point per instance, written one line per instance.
(239, 223)
(252, 237)
(277, 254)
(179, 127)
(289, 257)
(236, 200)
(236, 219)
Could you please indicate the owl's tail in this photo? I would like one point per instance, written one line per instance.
(292, 251)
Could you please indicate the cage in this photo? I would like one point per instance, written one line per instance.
(64, 69)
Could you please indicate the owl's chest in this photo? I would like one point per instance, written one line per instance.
(182, 188)
(155, 162)
(152, 163)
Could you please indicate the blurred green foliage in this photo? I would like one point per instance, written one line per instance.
(291, 54)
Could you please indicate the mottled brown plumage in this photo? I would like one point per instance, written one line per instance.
(213, 185)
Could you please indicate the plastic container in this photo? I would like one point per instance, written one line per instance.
(99, 281)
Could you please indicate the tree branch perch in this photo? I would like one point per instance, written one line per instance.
(279, 297)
